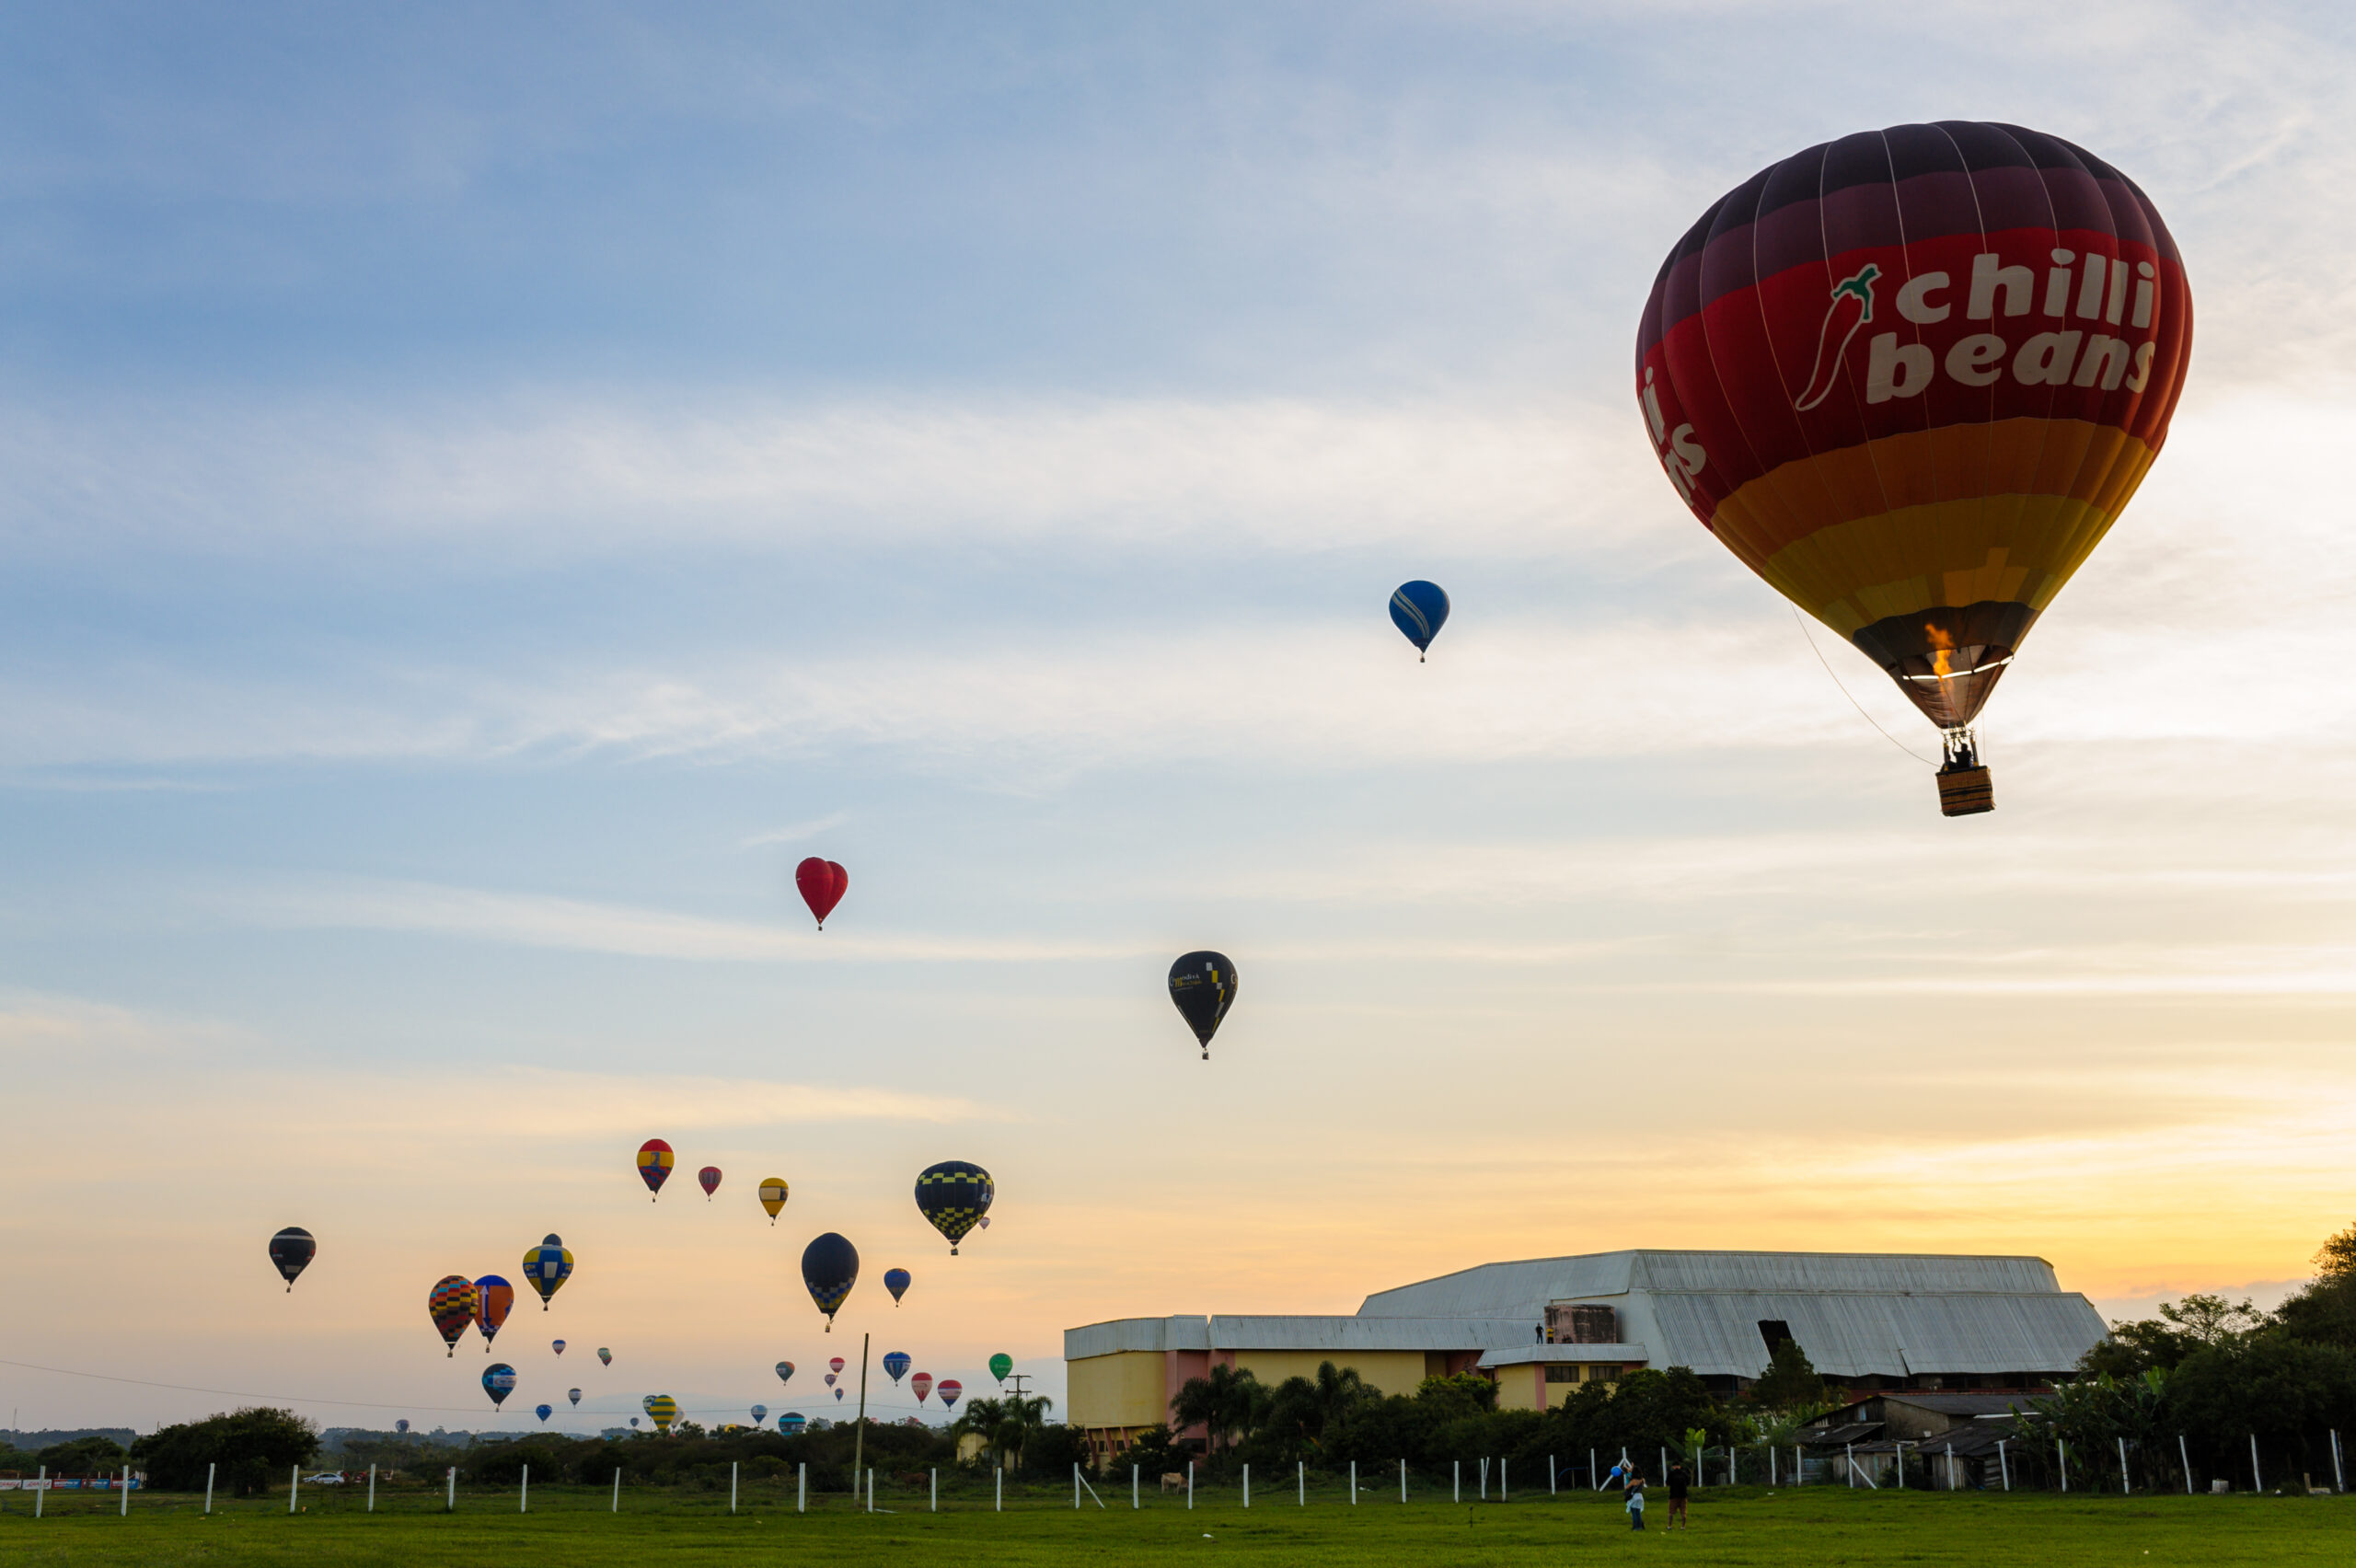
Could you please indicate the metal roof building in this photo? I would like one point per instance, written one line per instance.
(1540, 1327)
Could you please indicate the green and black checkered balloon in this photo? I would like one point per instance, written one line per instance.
(953, 1195)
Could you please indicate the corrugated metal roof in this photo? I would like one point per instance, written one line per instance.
(1337, 1334)
(1524, 1289)
(1852, 1334)
(1547, 1354)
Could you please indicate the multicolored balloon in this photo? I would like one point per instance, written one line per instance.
(896, 1281)
(823, 884)
(760, 1413)
(544, 1412)
(791, 1423)
(1419, 609)
(709, 1177)
(922, 1384)
(838, 1393)
(773, 1195)
(953, 1195)
(1911, 377)
(834, 1364)
(784, 1371)
(451, 1304)
(545, 1267)
(896, 1363)
(830, 1379)
(662, 1410)
(950, 1389)
(494, 1298)
(654, 1161)
(557, 1345)
(829, 1270)
(292, 1250)
(1001, 1366)
(497, 1381)
(1202, 985)
(572, 1394)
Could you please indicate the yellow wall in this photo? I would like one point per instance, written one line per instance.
(1519, 1388)
(1392, 1371)
(1121, 1389)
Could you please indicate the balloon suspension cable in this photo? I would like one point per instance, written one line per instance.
(1860, 707)
(1960, 747)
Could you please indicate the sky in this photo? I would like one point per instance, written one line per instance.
(485, 491)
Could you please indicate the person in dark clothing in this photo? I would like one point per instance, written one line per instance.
(1635, 1491)
(1679, 1483)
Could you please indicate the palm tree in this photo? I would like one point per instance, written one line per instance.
(1224, 1403)
(1006, 1426)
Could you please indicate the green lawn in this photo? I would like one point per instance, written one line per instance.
(1813, 1528)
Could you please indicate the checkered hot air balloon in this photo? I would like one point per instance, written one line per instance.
(953, 1195)
(499, 1381)
(545, 1267)
(830, 1269)
(451, 1303)
(896, 1281)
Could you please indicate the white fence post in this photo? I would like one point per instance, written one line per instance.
(208, 1488)
(1549, 1475)
(732, 1482)
(1075, 1486)
(2185, 1458)
(1402, 1481)
(40, 1493)
(1484, 1480)
(2003, 1465)
(1190, 1486)
(1247, 1486)
(2062, 1448)
(1456, 1481)
(451, 1506)
(2125, 1486)
(936, 1490)
(871, 1486)
(1593, 1475)
(2338, 1482)
(2258, 1476)
(1505, 1486)
(618, 1488)
(1301, 1474)
(1134, 1504)
(372, 1486)
(1353, 1477)
(801, 1486)
(1771, 1452)
(998, 1488)
(294, 1482)
(1849, 1453)
(523, 1494)
(125, 1512)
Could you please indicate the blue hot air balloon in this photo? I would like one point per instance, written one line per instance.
(760, 1413)
(838, 1393)
(1419, 609)
(544, 1412)
(497, 1381)
(791, 1423)
(829, 1268)
(895, 1363)
(896, 1281)
(633, 1421)
(401, 1426)
(572, 1394)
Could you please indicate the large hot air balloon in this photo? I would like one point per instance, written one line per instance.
(291, 1250)
(544, 1412)
(948, 1391)
(557, 1345)
(829, 1268)
(709, 1177)
(497, 1381)
(791, 1423)
(784, 1371)
(545, 1267)
(760, 1413)
(451, 1303)
(494, 1298)
(605, 1355)
(1001, 1365)
(823, 884)
(896, 1363)
(922, 1384)
(1419, 609)
(654, 1162)
(953, 1195)
(662, 1410)
(773, 1195)
(1203, 985)
(1909, 378)
(572, 1394)
(896, 1281)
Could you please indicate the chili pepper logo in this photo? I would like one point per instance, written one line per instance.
(1852, 308)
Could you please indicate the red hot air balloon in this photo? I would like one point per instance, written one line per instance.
(654, 1162)
(834, 1364)
(709, 1177)
(950, 1389)
(823, 884)
(1911, 377)
(922, 1384)
(451, 1303)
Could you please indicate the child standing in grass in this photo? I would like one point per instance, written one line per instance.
(1636, 1501)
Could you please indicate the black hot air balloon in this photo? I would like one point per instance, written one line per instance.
(291, 1250)
(953, 1195)
(829, 1268)
(1203, 985)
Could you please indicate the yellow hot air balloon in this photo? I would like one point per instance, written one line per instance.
(773, 1196)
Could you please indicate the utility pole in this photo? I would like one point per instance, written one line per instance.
(858, 1443)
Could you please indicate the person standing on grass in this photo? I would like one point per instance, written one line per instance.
(1679, 1483)
(1637, 1500)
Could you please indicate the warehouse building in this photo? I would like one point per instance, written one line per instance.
(1868, 1321)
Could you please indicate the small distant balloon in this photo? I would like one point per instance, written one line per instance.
(654, 1162)
(633, 1421)
(544, 1412)
(922, 1384)
(545, 1267)
(760, 1413)
(1203, 986)
(986, 1222)
(838, 1393)
(823, 884)
(834, 1364)
(1001, 1365)
(605, 1355)
(401, 1426)
(953, 1195)
(784, 1371)
(830, 1269)
(1419, 609)
(451, 1304)
(950, 1389)
(773, 1195)
(896, 1281)
(572, 1394)
(830, 1379)
(291, 1250)
(497, 1381)
(709, 1177)
(558, 1346)
(895, 1363)
(494, 1298)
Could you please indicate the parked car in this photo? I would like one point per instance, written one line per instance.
(325, 1477)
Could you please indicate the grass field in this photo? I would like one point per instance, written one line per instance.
(1813, 1528)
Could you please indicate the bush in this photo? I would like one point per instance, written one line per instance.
(251, 1451)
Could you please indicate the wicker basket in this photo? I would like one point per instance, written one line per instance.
(1965, 791)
